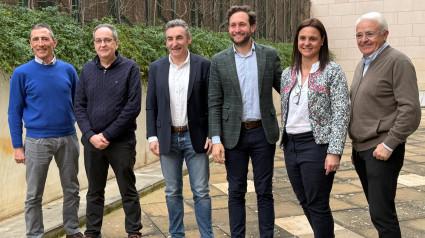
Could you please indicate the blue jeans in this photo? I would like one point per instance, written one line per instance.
(198, 167)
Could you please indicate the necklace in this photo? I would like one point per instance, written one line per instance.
(304, 77)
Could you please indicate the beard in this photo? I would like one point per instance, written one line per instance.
(244, 41)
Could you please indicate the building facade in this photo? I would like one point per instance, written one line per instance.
(406, 23)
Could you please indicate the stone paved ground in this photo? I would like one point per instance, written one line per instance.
(348, 203)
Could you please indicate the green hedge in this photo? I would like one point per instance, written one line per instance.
(143, 44)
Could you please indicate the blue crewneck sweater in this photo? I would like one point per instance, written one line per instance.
(42, 97)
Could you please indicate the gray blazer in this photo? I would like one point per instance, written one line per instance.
(225, 100)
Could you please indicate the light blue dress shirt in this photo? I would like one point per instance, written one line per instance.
(368, 60)
(246, 67)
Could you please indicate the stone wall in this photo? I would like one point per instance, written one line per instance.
(406, 23)
(12, 175)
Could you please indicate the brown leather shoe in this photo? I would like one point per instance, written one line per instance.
(135, 236)
(76, 235)
(100, 236)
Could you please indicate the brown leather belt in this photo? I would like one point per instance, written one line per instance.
(251, 124)
(179, 128)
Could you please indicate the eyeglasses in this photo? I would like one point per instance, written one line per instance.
(297, 96)
(106, 41)
(368, 35)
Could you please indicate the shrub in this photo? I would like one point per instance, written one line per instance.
(144, 44)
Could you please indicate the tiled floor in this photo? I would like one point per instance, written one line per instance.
(348, 203)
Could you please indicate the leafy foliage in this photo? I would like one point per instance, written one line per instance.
(73, 39)
(141, 43)
(208, 43)
(283, 49)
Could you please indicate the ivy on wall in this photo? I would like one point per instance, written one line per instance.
(141, 43)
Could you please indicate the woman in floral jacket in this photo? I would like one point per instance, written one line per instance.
(315, 114)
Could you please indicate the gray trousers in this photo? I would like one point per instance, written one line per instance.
(38, 154)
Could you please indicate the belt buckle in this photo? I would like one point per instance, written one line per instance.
(179, 129)
(246, 126)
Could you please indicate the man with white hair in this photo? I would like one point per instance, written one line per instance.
(385, 110)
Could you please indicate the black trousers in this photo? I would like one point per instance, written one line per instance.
(379, 181)
(305, 164)
(122, 157)
(252, 144)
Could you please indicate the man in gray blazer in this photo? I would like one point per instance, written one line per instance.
(242, 118)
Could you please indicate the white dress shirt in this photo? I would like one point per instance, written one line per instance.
(40, 61)
(298, 115)
(178, 85)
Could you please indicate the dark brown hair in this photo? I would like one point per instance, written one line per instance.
(245, 8)
(324, 50)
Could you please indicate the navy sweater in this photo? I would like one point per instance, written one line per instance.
(108, 100)
(41, 96)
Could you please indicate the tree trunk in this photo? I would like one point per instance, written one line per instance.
(24, 3)
(295, 11)
(159, 10)
(254, 7)
(221, 15)
(276, 37)
(277, 20)
(266, 19)
(154, 13)
(214, 15)
(194, 13)
(174, 8)
(76, 10)
(147, 12)
(114, 10)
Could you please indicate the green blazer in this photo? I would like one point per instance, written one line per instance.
(225, 100)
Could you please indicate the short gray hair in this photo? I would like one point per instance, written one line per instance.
(111, 27)
(40, 26)
(178, 22)
(377, 17)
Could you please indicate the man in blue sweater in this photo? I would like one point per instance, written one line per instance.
(107, 103)
(41, 95)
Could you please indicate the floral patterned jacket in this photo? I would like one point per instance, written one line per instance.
(328, 104)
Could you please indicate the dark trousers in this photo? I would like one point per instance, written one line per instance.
(252, 143)
(305, 163)
(379, 181)
(122, 157)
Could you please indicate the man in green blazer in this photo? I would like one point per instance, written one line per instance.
(242, 118)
